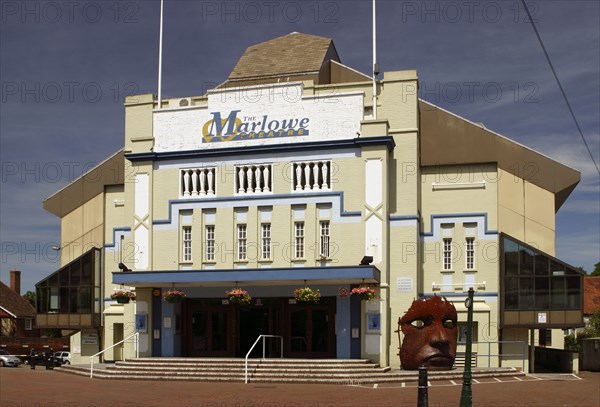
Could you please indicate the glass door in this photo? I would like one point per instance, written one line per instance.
(311, 331)
(209, 329)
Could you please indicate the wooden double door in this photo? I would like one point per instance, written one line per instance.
(212, 329)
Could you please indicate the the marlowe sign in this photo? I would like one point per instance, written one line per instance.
(272, 114)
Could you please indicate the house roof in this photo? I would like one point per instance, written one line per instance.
(293, 53)
(591, 294)
(14, 304)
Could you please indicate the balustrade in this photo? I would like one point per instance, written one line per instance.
(253, 179)
(312, 176)
(198, 182)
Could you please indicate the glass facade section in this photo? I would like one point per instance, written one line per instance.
(536, 281)
(73, 289)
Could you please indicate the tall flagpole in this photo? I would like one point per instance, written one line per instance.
(375, 68)
(160, 41)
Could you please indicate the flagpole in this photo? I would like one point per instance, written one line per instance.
(160, 41)
(375, 69)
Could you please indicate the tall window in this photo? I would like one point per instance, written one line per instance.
(210, 243)
(324, 239)
(242, 240)
(299, 240)
(470, 253)
(265, 245)
(447, 254)
(187, 243)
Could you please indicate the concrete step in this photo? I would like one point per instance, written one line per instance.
(122, 371)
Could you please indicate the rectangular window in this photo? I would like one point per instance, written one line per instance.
(187, 243)
(447, 254)
(242, 240)
(324, 239)
(210, 243)
(265, 244)
(299, 240)
(470, 253)
(545, 337)
(28, 324)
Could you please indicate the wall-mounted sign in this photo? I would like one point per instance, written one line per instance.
(404, 284)
(541, 318)
(241, 127)
(89, 339)
(272, 114)
(343, 292)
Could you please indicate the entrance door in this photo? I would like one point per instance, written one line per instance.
(311, 331)
(209, 332)
(254, 322)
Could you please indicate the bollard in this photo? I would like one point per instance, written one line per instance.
(423, 391)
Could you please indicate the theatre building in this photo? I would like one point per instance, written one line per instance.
(286, 176)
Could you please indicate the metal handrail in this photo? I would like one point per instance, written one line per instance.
(263, 357)
(137, 350)
(501, 355)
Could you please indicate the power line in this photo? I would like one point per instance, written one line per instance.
(559, 85)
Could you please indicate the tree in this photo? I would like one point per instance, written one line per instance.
(30, 296)
(596, 271)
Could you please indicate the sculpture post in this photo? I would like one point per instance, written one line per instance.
(466, 396)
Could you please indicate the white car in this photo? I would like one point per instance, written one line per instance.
(6, 359)
(63, 357)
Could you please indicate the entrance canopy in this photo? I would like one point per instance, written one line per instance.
(250, 277)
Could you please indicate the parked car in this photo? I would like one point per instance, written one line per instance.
(63, 357)
(6, 359)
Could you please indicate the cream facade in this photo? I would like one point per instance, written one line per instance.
(279, 181)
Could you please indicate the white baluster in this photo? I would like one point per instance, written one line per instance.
(186, 183)
(325, 175)
(241, 179)
(194, 182)
(306, 176)
(250, 176)
(203, 182)
(298, 177)
(257, 178)
(266, 178)
(316, 175)
(211, 181)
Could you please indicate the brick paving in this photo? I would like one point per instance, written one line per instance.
(46, 388)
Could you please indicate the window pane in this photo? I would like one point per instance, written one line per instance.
(64, 300)
(573, 292)
(86, 271)
(511, 258)
(75, 273)
(556, 269)
(526, 255)
(42, 300)
(541, 265)
(73, 300)
(85, 300)
(511, 293)
(542, 292)
(557, 296)
(525, 293)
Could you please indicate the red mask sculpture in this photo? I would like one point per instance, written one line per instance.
(429, 328)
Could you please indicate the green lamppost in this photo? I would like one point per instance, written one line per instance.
(466, 396)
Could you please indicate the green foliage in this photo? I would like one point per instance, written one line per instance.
(596, 272)
(593, 327)
(53, 333)
(30, 296)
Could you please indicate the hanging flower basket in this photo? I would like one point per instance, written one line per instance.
(365, 293)
(239, 296)
(174, 296)
(307, 295)
(123, 297)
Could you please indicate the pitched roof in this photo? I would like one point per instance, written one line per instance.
(290, 54)
(14, 303)
(591, 294)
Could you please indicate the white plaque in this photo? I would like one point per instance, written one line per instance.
(404, 284)
(541, 317)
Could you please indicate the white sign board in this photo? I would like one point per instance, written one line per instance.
(404, 284)
(260, 115)
(541, 317)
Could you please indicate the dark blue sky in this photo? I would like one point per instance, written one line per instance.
(66, 66)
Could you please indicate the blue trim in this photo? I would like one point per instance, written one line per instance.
(465, 294)
(387, 141)
(114, 235)
(404, 217)
(162, 278)
(256, 198)
(461, 215)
